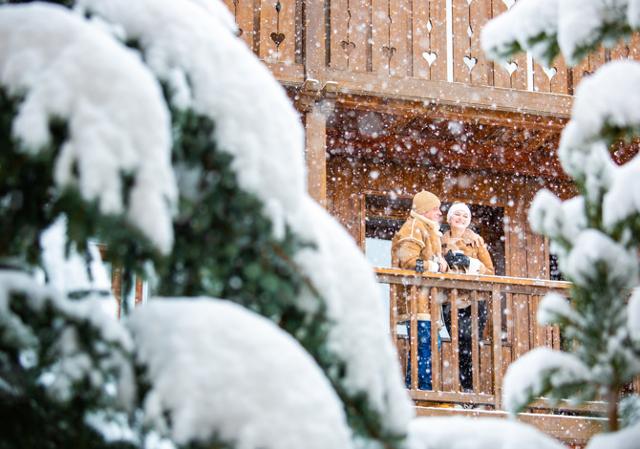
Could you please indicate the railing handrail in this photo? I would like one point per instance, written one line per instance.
(493, 291)
(427, 279)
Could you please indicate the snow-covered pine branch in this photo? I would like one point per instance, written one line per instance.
(595, 234)
(61, 360)
(221, 374)
(633, 316)
(213, 76)
(562, 221)
(574, 27)
(482, 433)
(545, 372)
(57, 67)
(596, 256)
(605, 110)
(529, 25)
(556, 309)
(625, 439)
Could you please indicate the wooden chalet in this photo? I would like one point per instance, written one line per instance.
(397, 96)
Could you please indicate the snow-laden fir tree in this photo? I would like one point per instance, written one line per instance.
(596, 234)
(244, 230)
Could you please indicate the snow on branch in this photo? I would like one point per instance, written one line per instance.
(528, 25)
(633, 317)
(545, 214)
(627, 438)
(482, 433)
(546, 27)
(585, 24)
(539, 372)
(220, 371)
(555, 308)
(595, 255)
(353, 298)
(605, 106)
(211, 71)
(116, 118)
(208, 69)
(622, 201)
(562, 221)
(52, 337)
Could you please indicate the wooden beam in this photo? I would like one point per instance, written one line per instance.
(316, 145)
(287, 74)
(474, 114)
(456, 94)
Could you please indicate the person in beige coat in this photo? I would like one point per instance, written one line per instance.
(465, 252)
(419, 237)
(417, 246)
(459, 239)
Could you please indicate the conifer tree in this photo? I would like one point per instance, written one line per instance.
(595, 234)
(244, 228)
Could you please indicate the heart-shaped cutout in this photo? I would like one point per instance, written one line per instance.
(430, 57)
(550, 72)
(277, 38)
(470, 62)
(510, 67)
(509, 3)
(388, 51)
(348, 47)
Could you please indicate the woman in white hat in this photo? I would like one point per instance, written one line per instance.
(465, 252)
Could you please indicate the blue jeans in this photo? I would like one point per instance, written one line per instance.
(424, 356)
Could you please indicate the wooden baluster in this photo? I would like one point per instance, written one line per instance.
(413, 334)
(455, 343)
(436, 380)
(541, 331)
(393, 312)
(486, 367)
(496, 311)
(475, 330)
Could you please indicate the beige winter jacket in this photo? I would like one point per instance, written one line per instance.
(418, 238)
(472, 245)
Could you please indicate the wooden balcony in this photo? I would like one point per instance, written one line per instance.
(512, 305)
(398, 49)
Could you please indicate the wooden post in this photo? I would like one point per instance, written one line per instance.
(496, 310)
(393, 313)
(316, 143)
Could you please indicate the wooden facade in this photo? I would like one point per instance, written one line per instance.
(396, 97)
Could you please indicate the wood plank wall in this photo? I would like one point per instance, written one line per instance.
(271, 28)
(404, 39)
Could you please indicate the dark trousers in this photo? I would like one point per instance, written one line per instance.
(424, 356)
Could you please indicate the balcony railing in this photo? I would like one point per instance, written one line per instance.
(398, 48)
(506, 331)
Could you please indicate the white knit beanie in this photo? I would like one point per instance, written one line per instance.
(458, 206)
